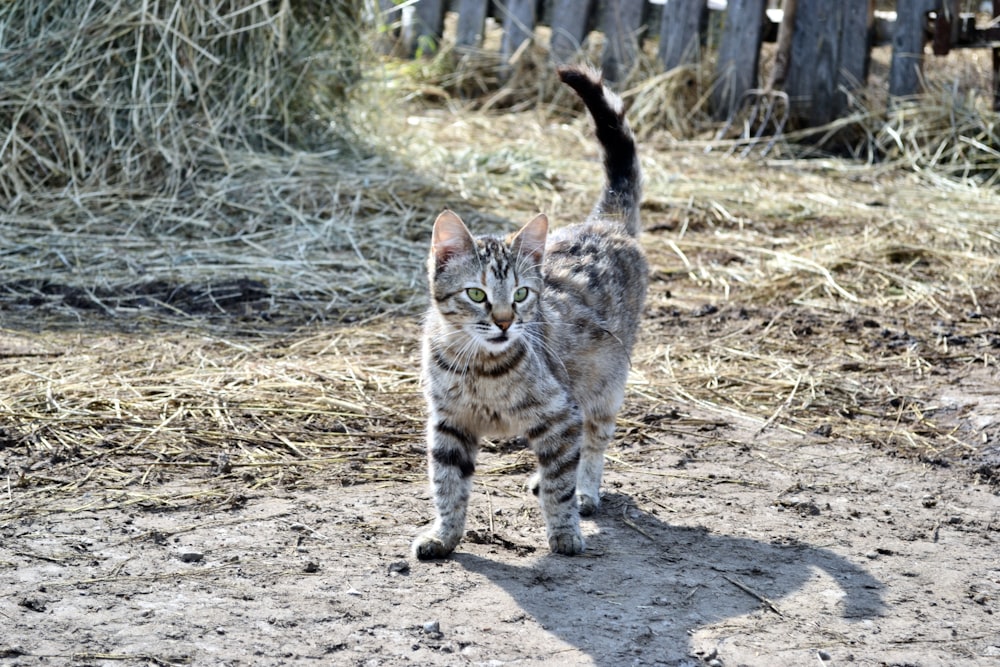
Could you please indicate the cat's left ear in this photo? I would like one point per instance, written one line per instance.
(530, 240)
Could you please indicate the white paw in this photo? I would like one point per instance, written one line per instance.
(429, 546)
(568, 543)
(588, 504)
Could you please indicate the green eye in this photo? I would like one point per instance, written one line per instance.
(520, 294)
(476, 294)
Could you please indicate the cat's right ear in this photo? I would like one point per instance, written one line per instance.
(451, 238)
(530, 240)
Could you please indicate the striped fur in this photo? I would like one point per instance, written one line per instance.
(530, 336)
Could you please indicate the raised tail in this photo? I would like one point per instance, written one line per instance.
(623, 191)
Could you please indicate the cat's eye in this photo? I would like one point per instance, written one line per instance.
(520, 294)
(476, 294)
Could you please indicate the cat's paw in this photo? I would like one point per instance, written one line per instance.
(588, 504)
(568, 543)
(429, 546)
(534, 482)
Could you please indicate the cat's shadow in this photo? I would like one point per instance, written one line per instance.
(644, 586)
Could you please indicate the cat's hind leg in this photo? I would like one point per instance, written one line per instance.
(451, 459)
(598, 429)
(597, 433)
(556, 443)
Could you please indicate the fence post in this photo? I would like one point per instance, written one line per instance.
(471, 22)
(423, 27)
(830, 48)
(518, 26)
(570, 19)
(908, 46)
(680, 32)
(622, 24)
(739, 55)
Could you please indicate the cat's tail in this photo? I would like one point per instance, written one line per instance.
(623, 191)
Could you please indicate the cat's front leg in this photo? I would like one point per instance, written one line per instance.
(556, 442)
(451, 458)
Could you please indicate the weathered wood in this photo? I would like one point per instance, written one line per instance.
(908, 46)
(857, 40)
(739, 55)
(830, 48)
(622, 23)
(471, 23)
(570, 19)
(518, 25)
(946, 26)
(388, 19)
(423, 27)
(681, 25)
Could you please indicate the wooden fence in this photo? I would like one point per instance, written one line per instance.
(830, 50)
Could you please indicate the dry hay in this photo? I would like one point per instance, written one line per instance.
(190, 156)
(254, 324)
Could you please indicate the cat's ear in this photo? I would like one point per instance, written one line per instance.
(530, 240)
(450, 238)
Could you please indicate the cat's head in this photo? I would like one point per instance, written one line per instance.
(487, 287)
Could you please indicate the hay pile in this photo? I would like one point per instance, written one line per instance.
(138, 95)
(188, 159)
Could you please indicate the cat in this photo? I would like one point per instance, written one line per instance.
(530, 336)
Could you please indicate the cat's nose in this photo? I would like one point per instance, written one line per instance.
(503, 324)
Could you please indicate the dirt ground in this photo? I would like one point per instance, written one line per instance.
(805, 472)
(784, 552)
(721, 541)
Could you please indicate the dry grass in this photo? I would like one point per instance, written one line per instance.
(230, 290)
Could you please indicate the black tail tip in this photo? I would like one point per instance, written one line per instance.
(579, 77)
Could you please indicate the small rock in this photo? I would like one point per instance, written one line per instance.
(311, 567)
(191, 556)
(824, 656)
(32, 604)
(399, 567)
(432, 628)
(823, 430)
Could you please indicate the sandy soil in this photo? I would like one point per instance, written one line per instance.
(787, 550)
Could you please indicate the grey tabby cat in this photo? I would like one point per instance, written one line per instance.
(530, 336)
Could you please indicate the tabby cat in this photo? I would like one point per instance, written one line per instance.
(529, 336)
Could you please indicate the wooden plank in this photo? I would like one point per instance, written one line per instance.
(857, 40)
(946, 25)
(813, 68)
(518, 25)
(830, 49)
(423, 27)
(570, 19)
(622, 23)
(739, 55)
(908, 46)
(681, 26)
(471, 23)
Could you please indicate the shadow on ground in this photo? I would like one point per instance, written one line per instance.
(649, 586)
